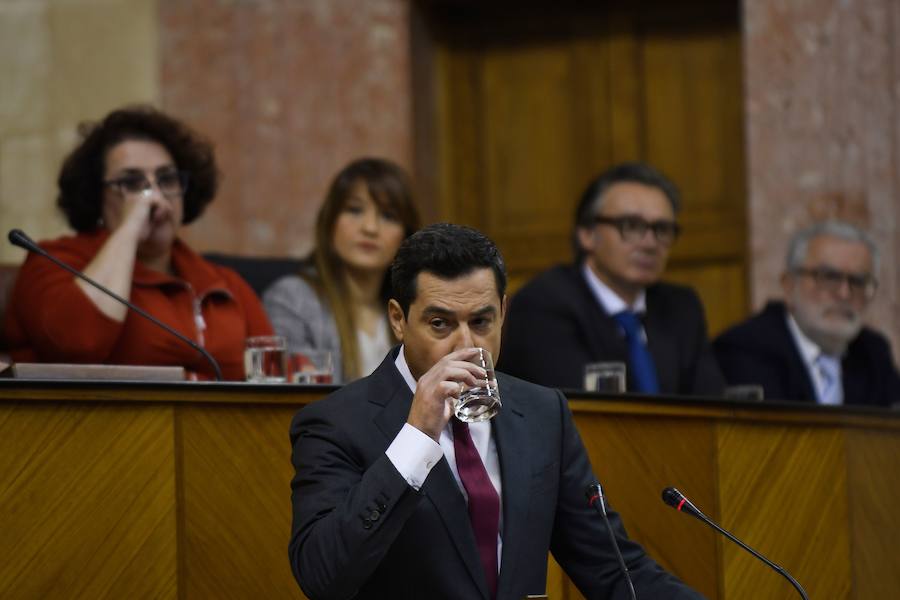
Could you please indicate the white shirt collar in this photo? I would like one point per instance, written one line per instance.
(809, 350)
(608, 299)
(400, 363)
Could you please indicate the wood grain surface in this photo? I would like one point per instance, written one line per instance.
(182, 491)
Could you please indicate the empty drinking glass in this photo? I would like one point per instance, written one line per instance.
(605, 377)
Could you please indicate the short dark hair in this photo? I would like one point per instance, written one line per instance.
(80, 179)
(447, 251)
(635, 172)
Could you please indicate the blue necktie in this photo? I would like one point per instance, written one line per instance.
(639, 360)
(830, 370)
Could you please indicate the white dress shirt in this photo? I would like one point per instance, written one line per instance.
(413, 453)
(372, 348)
(608, 299)
(810, 352)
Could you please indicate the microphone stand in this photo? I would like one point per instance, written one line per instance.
(679, 502)
(594, 495)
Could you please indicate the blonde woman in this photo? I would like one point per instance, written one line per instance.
(337, 302)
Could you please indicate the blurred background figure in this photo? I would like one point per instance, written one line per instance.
(610, 304)
(133, 180)
(338, 301)
(813, 347)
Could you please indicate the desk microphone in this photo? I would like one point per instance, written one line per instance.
(679, 502)
(18, 238)
(594, 494)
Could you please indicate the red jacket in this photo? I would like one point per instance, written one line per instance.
(50, 319)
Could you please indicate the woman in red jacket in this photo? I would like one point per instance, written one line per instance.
(126, 189)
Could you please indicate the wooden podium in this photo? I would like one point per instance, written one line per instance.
(181, 490)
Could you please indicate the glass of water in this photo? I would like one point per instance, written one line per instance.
(481, 402)
(265, 359)
(605, 377)
(312, 367)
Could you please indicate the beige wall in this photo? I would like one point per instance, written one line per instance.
(63, 61)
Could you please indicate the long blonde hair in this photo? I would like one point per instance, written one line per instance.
(389, 186)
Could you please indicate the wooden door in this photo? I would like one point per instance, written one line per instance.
(519, 106)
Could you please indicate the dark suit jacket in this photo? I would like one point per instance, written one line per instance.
(360, 531)
(556, 326)
(761, 350)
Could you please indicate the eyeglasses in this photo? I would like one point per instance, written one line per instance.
(633, 229)
(171, 183)
(832, 280)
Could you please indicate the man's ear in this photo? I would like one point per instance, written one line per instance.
(504, 304)
(586, 239)
(397, 319)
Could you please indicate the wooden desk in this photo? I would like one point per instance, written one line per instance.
(182, 490)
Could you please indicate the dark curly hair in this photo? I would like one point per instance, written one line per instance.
(80, 179)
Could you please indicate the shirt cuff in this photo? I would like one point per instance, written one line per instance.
(414, 454)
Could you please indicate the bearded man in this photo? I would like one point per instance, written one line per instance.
(813, 347)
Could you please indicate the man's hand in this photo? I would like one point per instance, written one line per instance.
(439, 388)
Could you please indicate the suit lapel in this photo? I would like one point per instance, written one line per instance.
(443, 492)
(511, 437)
(604, 337)
(663, 348)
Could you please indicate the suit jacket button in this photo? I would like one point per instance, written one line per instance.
(367, 524)
(374, 516)
(381, 507)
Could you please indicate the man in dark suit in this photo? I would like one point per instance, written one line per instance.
(814, 347)
(394, 498)
(610, 304)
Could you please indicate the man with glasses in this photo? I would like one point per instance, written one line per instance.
(610, 304)
(813, 347)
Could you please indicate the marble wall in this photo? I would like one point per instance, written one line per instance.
(290, 92)
(822, 81)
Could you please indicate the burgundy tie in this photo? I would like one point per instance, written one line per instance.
(484, 503)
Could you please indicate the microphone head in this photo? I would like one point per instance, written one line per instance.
(679, 502)
(17, 237)
(672, 497)
(593, 492)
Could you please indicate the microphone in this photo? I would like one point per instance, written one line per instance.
(594, 493)
(18, 238)
(679, 502)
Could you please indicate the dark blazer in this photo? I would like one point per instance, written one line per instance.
(555, 326)
(761, 350)
(360, 531)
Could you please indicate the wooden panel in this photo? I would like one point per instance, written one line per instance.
(89, 481)
(873, 466)
(635, 458)
(87, 502)
(691, 82)
(533, 130)
(783, 490)
(721, 288)
(236, 501)
(533, 104)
